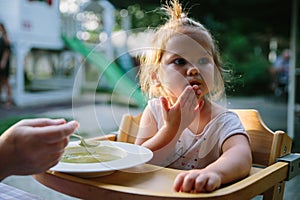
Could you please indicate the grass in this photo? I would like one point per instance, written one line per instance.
(8, 122)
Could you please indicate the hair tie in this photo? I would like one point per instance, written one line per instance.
(183, 16)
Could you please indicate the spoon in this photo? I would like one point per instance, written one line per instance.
(85, 143)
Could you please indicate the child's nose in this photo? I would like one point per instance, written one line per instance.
(193, 71)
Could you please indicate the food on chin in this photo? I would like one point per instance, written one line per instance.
(79, 154)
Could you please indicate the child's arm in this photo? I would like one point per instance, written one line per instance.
(235, 163)
(152, 138)
(147, 127)
(161, 141)
(176, 119)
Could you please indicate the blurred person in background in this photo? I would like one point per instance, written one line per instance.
(280, 73)
(5, 64)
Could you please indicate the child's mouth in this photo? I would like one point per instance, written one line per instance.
(196, 86)
(197, 83)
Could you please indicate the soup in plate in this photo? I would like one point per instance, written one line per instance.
(101, 153)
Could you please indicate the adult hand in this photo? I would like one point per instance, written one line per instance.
(33, 145)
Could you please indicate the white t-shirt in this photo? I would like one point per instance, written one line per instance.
(197, 151)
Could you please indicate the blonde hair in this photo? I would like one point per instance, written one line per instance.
(177, 23)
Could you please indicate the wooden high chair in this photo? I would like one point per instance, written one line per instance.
(267, 177)
(266, 147)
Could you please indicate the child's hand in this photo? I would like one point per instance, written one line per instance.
(197, 91)
(197, 181)
(183, 112)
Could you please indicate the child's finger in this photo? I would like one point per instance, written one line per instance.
(184, 97)
(179, 181)
(164, 103)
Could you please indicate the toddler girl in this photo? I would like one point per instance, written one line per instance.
(182, 123)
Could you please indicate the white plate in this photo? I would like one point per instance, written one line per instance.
(133, 155)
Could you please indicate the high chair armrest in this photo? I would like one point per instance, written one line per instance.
(259, 181)
(125, 185)
(293, 159)
(111, 137)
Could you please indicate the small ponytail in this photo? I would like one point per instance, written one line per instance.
(177, 16)
(174, 10)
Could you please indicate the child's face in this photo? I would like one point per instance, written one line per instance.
(185, 62)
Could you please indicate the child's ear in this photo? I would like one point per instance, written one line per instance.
(155, 80)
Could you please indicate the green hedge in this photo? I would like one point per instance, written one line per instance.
(8, 122)
(248, 65)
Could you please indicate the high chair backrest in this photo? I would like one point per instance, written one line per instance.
(266, 145)
(128, 128)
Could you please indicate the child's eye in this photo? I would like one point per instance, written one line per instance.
(180, 61)
(203, 61)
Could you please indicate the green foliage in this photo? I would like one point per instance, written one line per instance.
(244, 52)
(8, 122)
(142, 18)
(248, 65)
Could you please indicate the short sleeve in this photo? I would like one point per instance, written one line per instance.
(155, 107)
(231, 125)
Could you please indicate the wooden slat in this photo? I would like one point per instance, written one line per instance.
(111, 137)
(157, 184)
(266, 145)
(129, 127)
